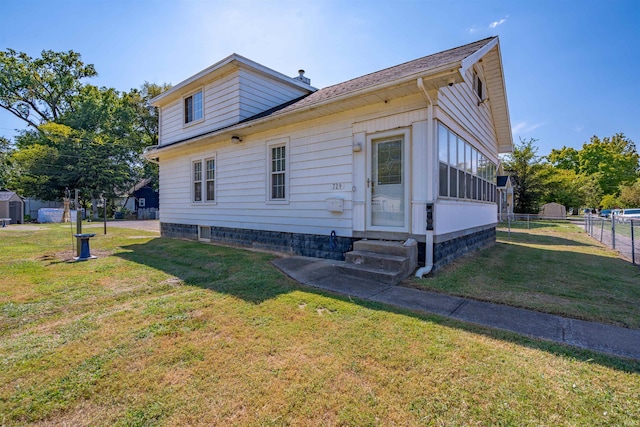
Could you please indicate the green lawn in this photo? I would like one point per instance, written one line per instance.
(169, 332)
(553, 267)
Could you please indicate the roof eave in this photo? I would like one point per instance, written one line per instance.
(220, 67)
(444, 69)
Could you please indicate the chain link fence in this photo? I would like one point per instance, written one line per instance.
(623, 235)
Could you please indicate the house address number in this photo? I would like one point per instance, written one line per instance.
(337, 186)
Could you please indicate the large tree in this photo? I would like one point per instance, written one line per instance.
(78, 136)
(5, 163)
(611, 161)
(630, 195)
(39, 90)
(527, 170)
(94, 148)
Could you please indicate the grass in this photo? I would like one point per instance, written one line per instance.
(554, 267)
(168, 332)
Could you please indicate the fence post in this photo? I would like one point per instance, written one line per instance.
(613, 231)
(633, 246)
(587, 223)
(601, 228)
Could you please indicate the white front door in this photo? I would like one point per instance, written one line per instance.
(387, 184)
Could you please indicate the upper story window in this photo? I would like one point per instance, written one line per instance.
(478, 86)
(193, 107)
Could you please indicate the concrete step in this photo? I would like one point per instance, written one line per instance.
(394, 260)
(380, 275)
(377, 260)
(384, 247)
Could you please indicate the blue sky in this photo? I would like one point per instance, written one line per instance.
(571, 67)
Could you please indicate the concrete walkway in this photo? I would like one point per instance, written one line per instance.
(325, 274)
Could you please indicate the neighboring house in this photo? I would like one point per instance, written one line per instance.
(11, 206)
(251, 157)
(553, 211)
(141, 196)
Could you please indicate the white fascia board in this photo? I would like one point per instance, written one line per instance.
(233, 59)
(215, 67)
(477, 55)
(234, 128)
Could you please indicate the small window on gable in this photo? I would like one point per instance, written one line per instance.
(193, 107)
(478, 85)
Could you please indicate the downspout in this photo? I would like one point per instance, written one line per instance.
(428, 244)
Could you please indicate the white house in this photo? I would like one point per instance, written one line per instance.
(251, 157)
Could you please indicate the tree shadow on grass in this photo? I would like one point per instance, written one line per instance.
(540, 239)
(245, 274)
(250, 276)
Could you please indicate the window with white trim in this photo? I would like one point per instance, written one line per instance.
(278, 172)
(210, 191)
(197, 181)
(204, 180)
(193, 107)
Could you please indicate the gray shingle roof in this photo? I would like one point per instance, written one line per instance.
(6, 195)
(421, 65)
(418, 67)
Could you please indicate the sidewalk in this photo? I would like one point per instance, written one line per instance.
(324, 274)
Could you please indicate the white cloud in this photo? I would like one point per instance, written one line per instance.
(525, 127)
(494, 24)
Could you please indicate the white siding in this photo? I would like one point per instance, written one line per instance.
(459, 110)
(227, 100)
(320, 167)
(258, 94)
(221, 100)
(452, 215)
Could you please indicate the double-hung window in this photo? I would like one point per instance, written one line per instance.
(193, 107)
(278, 172)
(210, 180)
(204, 180)
(197, 181)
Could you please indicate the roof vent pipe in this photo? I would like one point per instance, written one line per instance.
(302, 78)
